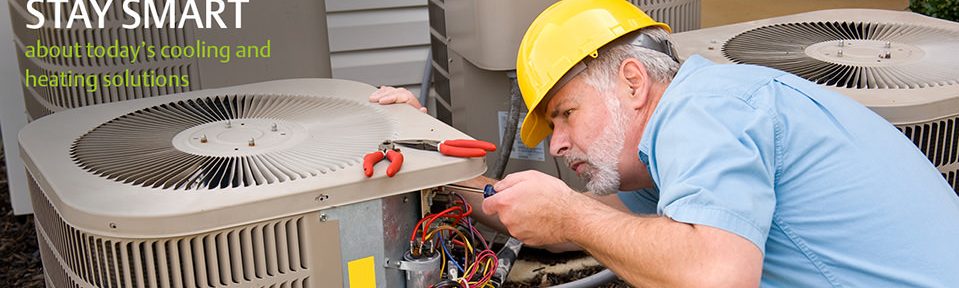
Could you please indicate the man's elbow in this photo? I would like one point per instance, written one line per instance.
(722, 277)
(723, 270)
(725, 260)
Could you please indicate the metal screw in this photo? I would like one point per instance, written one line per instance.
(203, 139)
(842, 43)
(888, 44)
(322, 217)
(887, 55)
(229, 124)
(839, 54)
(113, 225)
(273, 128)
(406, 199)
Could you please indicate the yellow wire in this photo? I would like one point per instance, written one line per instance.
(443, 266)
(458, 233)
(462, 236)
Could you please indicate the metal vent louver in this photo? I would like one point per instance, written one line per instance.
(232, 141)
(853, 54)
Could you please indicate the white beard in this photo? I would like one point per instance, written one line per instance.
(602, 157)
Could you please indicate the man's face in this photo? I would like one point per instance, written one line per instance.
(589, 131)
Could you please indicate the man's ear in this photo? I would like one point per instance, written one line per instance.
(635, 76)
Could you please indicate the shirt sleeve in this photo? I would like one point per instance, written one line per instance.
(640, 201)
(715, 165)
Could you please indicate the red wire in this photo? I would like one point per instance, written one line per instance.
(429, 223)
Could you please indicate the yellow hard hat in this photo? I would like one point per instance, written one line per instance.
(557, 40)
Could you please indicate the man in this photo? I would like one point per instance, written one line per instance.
(740, 175)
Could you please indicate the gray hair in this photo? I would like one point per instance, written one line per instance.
(601, 71)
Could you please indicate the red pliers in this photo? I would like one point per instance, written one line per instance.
(386, 150)
(457, 148)
(464, 148)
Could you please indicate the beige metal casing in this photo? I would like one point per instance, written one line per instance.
(927, 115)
(78, 210)
(475, 42)
(488, 32)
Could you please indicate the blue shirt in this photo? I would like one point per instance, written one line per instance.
(830, 192)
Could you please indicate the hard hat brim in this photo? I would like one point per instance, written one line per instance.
(535, 128)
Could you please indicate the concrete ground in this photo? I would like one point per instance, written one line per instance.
(722, 12)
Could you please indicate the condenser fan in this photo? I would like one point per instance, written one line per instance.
(232, 141)
(853, 54)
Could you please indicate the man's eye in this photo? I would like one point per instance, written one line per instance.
(567, 112)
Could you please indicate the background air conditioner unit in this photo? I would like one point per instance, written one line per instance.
(901, 65)
(257, 185)
(474, 45)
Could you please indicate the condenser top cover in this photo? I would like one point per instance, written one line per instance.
(204, 160)
(900, 64)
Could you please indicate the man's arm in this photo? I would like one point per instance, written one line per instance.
(660, 252)
(476, 200)
(646, 251)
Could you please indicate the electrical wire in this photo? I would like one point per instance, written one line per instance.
(452, 229)
(447, 251)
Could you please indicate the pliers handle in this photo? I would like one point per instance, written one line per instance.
(388, 151)
(465, 148)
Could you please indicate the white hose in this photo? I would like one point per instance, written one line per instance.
(600, 278)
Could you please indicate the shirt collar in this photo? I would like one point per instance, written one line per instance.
(689, 67)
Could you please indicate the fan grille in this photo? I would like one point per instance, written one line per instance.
(319, 135)
(874, 55)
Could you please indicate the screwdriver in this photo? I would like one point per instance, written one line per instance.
(487, 190)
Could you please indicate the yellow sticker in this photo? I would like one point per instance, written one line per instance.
(362, 273)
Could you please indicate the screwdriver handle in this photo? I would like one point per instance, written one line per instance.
(488, 191)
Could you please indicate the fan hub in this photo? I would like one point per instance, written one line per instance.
(864, 53)
(233, 137)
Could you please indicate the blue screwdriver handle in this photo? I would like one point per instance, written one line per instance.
(488, 191)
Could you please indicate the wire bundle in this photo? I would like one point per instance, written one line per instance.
(453, 234)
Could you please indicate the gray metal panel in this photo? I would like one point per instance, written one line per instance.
(377, 29)
(397, 66)
(378, 42)
(12, 116)
(378, 228)
(353, 5)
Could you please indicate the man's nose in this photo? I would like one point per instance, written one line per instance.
(558, 143)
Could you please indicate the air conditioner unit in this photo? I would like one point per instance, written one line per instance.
(474, 44)
(292, 54)
(255, 186)
(901, 65)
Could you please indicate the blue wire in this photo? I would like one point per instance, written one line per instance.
(450, 255)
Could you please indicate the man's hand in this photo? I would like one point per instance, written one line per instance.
(533, 206)
(391, 95)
